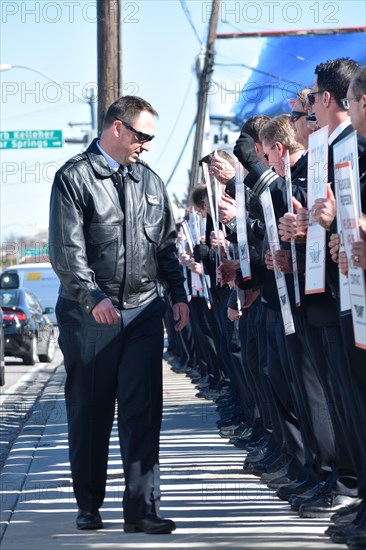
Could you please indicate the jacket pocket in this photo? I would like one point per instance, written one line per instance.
(149, 258)
(153, 232)
(102, 250)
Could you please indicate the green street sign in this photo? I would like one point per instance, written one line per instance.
(30, 139)
(29, 252)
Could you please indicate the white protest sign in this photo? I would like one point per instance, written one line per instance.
(317, 189)
(241, 222)
(344, 150)
(346, 196)
(293, 245)
(274, 244)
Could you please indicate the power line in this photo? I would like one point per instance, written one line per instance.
(189, 19)
(176, 121)
(265, 73)
(181, 153)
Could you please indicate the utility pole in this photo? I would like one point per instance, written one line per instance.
(109, 55)
(204, 82)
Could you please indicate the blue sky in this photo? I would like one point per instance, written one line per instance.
(160, 47)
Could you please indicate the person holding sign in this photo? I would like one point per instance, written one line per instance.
(304, 350)
(277, 137)
(355, 532)
(330, 87)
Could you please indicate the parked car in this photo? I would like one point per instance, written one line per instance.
(2, 362)
(28, 332)
(39, 278)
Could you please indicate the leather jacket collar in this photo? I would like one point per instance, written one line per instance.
(101, 166)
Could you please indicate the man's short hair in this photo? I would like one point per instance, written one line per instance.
(221, 153)
(198, 195)
(253, 125)
(358, 84)
(280, 129)
(127, 108)
(335, 76)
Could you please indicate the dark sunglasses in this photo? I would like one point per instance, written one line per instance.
(265, 155)
(140, 136)
(310, 98)
(295, 115)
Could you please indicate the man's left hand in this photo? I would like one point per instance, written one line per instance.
(180, 315)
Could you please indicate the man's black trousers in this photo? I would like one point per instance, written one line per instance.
(106, 364)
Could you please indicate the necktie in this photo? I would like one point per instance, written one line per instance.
(120, 180)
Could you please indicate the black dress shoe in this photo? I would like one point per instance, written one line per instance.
(240, 442)
(345, 515)
(357, 543)
(326, 505)
(310, 495)
(279, 481)
(269, 466)
(152, 525)
(297, 487)
(343, 534)
(88, 520)
(256, 443)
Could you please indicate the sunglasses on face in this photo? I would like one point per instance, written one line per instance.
(265, 155)
(140, 136)
(295, 115)
(310, 98)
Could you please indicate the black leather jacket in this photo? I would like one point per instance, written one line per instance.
(104, 242)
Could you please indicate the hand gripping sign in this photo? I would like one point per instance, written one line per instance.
(348, 209)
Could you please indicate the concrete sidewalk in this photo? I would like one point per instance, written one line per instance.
(204, 490)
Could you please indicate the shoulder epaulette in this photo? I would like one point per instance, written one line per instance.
(145, 165)
(76, 158)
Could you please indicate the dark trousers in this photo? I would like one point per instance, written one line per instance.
(206, 336)
(356, 402)
(105, 364)
(283, 389)
(309, 371)
(256, 349)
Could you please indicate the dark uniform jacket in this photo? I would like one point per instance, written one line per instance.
(112, 237)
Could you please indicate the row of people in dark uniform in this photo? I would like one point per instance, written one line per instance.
(295, 403)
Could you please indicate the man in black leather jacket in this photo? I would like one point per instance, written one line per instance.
(112, 238)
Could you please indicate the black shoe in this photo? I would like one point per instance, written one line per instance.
(228, 431)
(345, 515)
(152, 525)
(257, 454)
(240, 442)
(277, 481)
(343, 534)
(326, 505)
(88, 520)
(311, 495)
(297, 487)
(269, 466)
(256, 443)
(357, 543)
